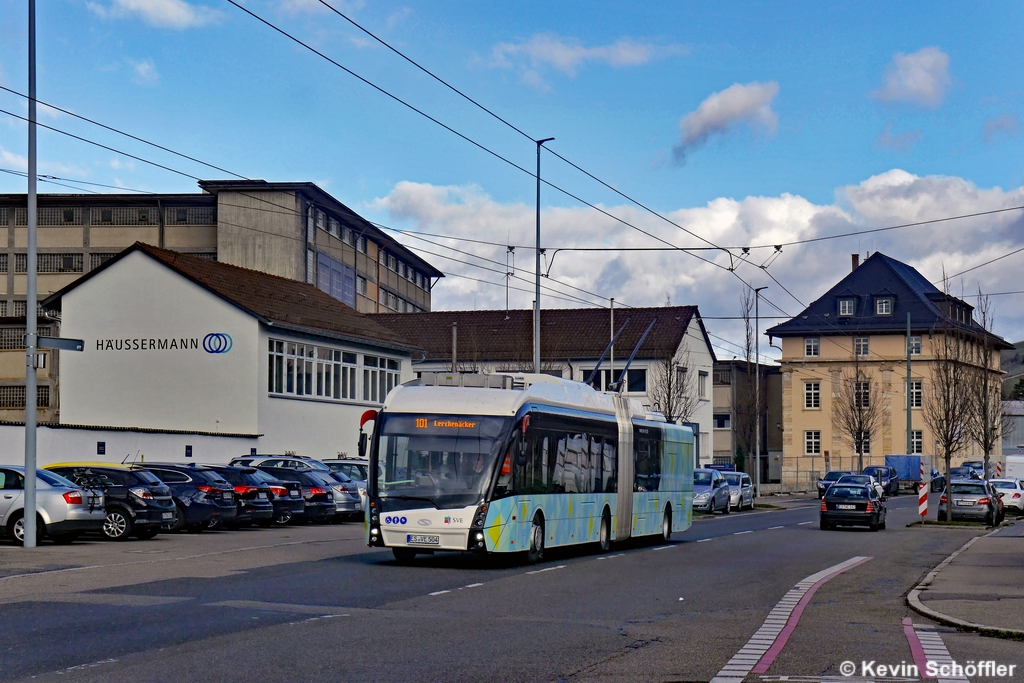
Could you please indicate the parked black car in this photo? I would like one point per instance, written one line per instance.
(137, 502)
(887, 477)
(286, 497)
(252, 496)
(316, 493)
(201, 495)
(852, 505)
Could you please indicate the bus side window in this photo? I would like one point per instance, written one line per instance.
(558, 466)
(596, 461)
(610, 468)
(543, 447)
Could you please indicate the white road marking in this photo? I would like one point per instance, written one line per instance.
(703, 540)
(802, 523)
(438, 592)
(663, 547)
(935, 650)
(740, 533)
(546, 569)
(775, 527)
(737, 668)
(474, 585)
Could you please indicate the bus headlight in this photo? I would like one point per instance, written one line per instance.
(481, 517)
(476, 540)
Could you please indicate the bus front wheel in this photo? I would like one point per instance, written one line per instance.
(536, 551)
(604, 538)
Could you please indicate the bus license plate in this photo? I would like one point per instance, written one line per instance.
(846, 507)
(423, 540)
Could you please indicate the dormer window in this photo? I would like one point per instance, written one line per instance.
(883, 306)
(847, 306)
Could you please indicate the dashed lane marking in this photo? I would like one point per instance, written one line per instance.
(769, 640)
(439, 592)
(740, 533)
(703, 540)
(663, 547)
(474, 585)
(802, 523)
(547, 569)
(776, 527)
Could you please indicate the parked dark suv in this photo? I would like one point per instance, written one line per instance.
(887, 477)
(317, 493)
(202, 497)
(137, 502)
(252, 495)
(286, 497)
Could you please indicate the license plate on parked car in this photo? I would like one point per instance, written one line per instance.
(423, 540)
(295, 494)
(845, 507)
(964, 502)
(168, 515)
(227, 496)
(261, 496)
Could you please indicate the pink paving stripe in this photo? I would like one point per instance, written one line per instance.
(916, 649)
(794, 618)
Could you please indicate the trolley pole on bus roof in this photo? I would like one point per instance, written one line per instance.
(31, 330)
(536, 300)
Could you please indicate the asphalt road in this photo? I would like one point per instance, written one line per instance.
(314, 604)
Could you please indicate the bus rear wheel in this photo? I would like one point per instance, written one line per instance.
(604, 539)
(536, 551)
(666, 525)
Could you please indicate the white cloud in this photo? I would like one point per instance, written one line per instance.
(569, 54)
(399, 16)
(145, 72)
(921, 78)
(17, 162)
(644, 278)
(749, 103)
(316, 7)
(176, 14)
(1003, 125)
(898, 142)
(118, 164)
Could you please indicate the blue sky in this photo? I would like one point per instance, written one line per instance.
(748, 123)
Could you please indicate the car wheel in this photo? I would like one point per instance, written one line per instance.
(146, 534)
(403, 555)
(536, 551)
(824, 526)
(117, 526)
(283, 518)
(179, 520)
(881, 525)
(728, 508)
(604, 536)
(16, 529)
(666, 525)
(873, 526)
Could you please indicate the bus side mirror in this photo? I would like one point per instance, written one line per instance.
(523, 454)
(362, 444)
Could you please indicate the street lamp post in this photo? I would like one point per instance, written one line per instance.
(757, 393)
(536, 300)
(29, 519)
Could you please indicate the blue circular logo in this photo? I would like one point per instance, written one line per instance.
(387, 520)
(217, 342)
(404, 520)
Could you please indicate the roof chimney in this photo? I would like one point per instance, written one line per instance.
(855, 258)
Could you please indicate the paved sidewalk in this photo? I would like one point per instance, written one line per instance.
(981, 587)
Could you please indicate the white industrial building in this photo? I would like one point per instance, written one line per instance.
(187, 357)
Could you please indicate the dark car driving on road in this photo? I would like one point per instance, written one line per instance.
(830, 478)
(202, 497)
(887, 477)
(136, 501)
(852, 505)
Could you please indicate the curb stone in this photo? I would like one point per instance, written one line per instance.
(914, 601)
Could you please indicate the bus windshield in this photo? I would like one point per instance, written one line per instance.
(440, 460)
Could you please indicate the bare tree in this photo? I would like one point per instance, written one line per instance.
(987, 419)
(947, 407)
(857, 407)
(672, 385)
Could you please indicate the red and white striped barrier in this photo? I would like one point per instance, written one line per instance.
(922, 495)
(999, 470)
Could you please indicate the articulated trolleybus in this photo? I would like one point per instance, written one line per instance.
(507, 463)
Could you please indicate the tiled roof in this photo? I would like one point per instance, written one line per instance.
(566, 334)
(878, 276)
(275, 300)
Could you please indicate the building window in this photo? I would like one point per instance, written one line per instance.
(106, 215)
(360, 285)
(847, 306)
(14, 396)
(346, 236)
(361, 244)
(702, 384)
(334, 227)
(19, 309)
(812, 442)
(419, 280)
(392, 263)
(861, 395)
(860, 346)
(3, 263)
(812, 395)
(811, 346)
(722, 421)
(916, 392)
(883, 306)
(3, 308)
(392, 301)
(917, 441)
(181, 215)
(336, 278)
(720, 377)
(321, 220)
(863, 445)
(380, 375)
(308, 370)
(915, 346)
(636, 381)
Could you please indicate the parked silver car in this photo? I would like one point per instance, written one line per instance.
(710, 491)
(973, 501)
(741, 490)
(64, 510)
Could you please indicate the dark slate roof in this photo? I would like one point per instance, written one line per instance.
(566, 334)
(276, 301)
(879, 275)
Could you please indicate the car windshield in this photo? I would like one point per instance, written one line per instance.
(855, 479)
(445, 461)
(968, 489)
(877, 472)
(834, 476)
(1003, 484)
(733, 478)
(54, 479)
(702, 479)
(847, 492)
(263, 476)
(336, 475)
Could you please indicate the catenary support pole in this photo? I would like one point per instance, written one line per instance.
(611, 349)
(536, 299)
(30, 295)
(757, 393)
(455, 347)
(910, 419)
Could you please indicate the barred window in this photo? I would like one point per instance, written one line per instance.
(360, 285)
(19, 309)
(861, 395)
(55, 215)
(916, 388)
(14, 396)
(308, 370)
(3, 308)
(124, 215)
(191, 215)
(52, 263)
(208, 255)
(3, 263)
(917, 441)
(97, 260)
(721, 377)
(380, 375)
(14, 337)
